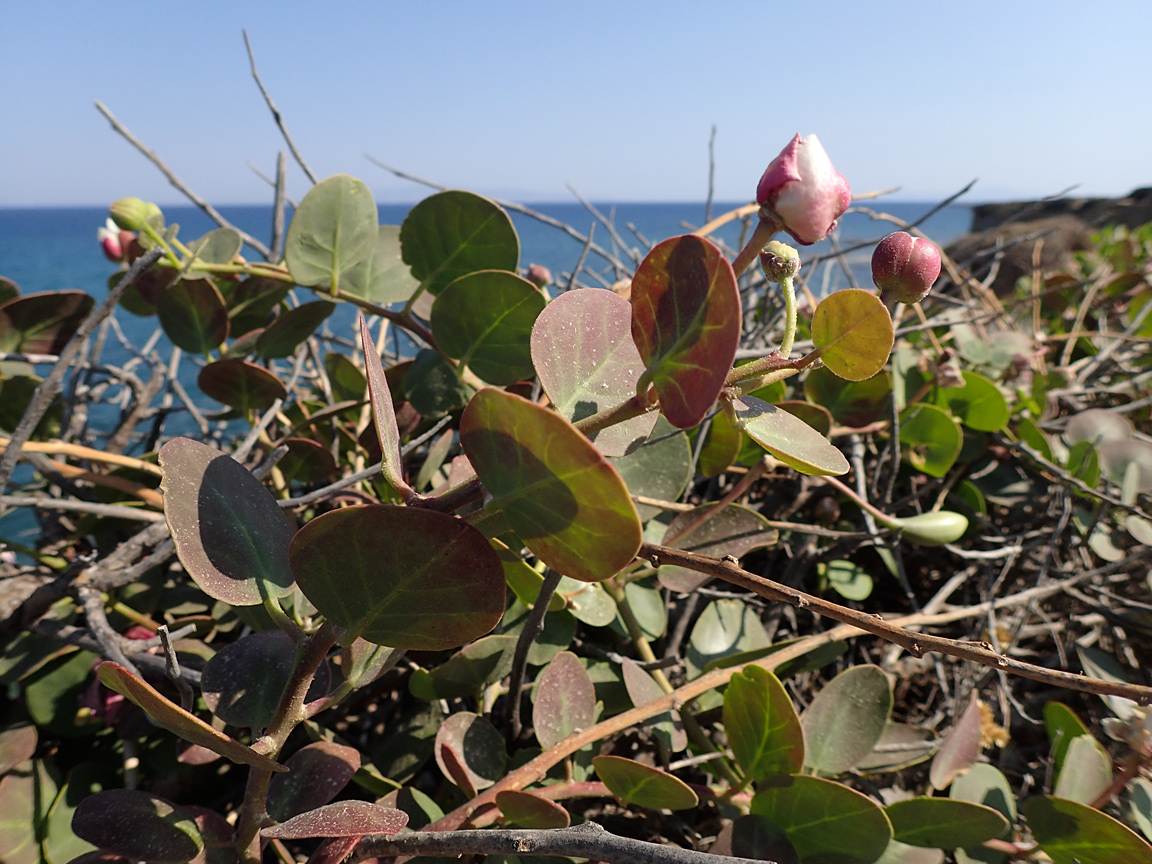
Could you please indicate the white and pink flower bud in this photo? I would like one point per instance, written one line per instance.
(904, 268)
(802, 192)
(114, 241)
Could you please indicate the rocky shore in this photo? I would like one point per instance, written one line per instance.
(1006, 234)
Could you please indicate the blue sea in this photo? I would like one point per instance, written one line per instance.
(56, 249)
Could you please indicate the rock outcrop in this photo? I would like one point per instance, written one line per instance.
(1006, 235)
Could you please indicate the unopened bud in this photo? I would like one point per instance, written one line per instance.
(780, 261)
(131, 214)
(114, 241)
(539, 275)
(904, 268)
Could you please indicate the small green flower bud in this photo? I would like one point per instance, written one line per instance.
(131, 214)
(780, 261)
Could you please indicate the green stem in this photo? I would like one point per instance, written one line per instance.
(634, 406)
(789, 316)
(644, 648)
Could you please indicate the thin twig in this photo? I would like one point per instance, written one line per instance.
(48, 388)
(587, 840)
(509, 205)
(533, 627)
(208, 209)
(276, 112)
(916, 644)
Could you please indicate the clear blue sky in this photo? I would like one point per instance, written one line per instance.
(516, 99)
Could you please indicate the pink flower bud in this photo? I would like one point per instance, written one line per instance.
(114, 241)
(803, 192)
(904, 268)
(539, 275)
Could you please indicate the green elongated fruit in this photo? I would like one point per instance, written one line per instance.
(931, 529)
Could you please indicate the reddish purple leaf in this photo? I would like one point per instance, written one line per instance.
(42, 323)
(230, 535)
(470, 744)
(240, 385)
(342, 819)
(399, 576)
(318, 772)
(587, 362)
(385, 415)
(529, 810)
(959, 749)
(565, 700)
(138, 826)
(562, 498)
(686, 324)
(170, 716)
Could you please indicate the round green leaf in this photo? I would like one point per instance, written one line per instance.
(825, 821)
(348, 382)
(564, 700)
(735, 530)
(1086, 773)
(1062, 725)
(721, 447)
(816, 416)
(686, 325)
(848, 579)
(468, 670)
(587, 362)
(985, 784)
(382, 277)
(1072, 833)
(399, 576)
(659, 468)
(42, 323)
(306, 461)
(485, 320)
(978, 404)
(642, 688)
(725, 627)
(851, 403)
(761, 724)
(230, 534)
(635, 783)
(451, 234)
(561, 497)
(853, 332)
(788, 438)
(944, 823)
(193, 315)
(284, 335)
(219, 246)
(587, 601)
(240, 385)
(932, 439)
(846, 719)
(432, 385)
(332, 231)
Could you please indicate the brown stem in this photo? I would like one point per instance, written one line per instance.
(765, 230)
(914, 643)
(587, 840)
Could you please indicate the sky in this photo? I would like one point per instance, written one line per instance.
(519, 99)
